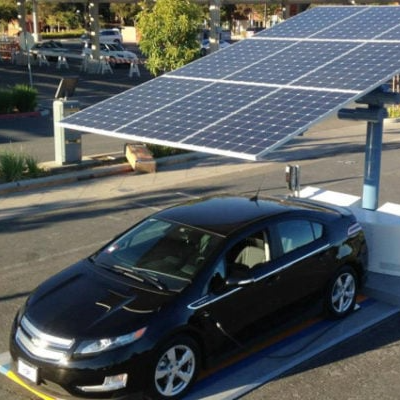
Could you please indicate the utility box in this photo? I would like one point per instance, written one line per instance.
(140, 158)
(68, 144)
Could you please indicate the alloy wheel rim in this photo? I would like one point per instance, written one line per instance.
(175, 370)
(343, 292)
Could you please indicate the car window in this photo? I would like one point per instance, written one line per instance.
(245, 256)
(250, 251)
(294, 234)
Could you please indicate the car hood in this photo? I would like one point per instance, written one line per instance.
(86, 299)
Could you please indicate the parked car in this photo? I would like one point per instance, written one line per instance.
(106, 36)
(181, 288)
(116, 53)
(49, 48)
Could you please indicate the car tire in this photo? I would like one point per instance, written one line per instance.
(342, 293)
(175, 369)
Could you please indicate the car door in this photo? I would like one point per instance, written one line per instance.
(295, 266)
(238, 295)
(302, 258)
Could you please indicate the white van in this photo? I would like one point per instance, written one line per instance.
(108, 36)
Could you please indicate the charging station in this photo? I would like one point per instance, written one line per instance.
(381, 225)
(67, 144)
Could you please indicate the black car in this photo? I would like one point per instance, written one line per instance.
(182, 288)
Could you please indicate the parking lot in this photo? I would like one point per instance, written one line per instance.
(35, 135)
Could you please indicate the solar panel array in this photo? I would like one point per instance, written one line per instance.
(253, 96)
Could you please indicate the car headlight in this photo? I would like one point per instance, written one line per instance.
(98, 345)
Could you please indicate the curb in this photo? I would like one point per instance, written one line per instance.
(39, 113)
(92, 171)
(64, 178)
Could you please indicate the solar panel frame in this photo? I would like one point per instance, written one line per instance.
(250, 98)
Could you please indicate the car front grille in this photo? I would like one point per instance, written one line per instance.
(41, 344)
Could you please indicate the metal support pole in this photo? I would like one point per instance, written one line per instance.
(372, 168)
(374, 116)
(21, 4)
(36, 33)
(94, 28)
(215, 11)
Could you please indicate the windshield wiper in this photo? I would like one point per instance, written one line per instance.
(141, 276)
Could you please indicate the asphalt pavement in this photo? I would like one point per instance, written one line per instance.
(365, 372)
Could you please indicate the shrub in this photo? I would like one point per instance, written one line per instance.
(6, 101)
(75, 33)
(32, 167)
(163, 151)
(24, 98)
(16, 166)
(12, 166)
(394, 111)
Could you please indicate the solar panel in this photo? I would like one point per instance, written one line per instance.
(253, 96)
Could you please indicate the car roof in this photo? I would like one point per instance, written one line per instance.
(224, 215)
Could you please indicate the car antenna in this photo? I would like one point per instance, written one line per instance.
(255, 197)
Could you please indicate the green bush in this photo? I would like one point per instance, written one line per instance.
(76, 33)
(6, 101)
(12, 166)
(32, 168)
(21, 98)
(24, 98)
(164, 151)
(16, 166)
(394, 111)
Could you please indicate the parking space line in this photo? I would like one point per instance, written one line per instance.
(5, 369)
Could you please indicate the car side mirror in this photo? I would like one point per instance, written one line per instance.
(217, 284)
(239, 275)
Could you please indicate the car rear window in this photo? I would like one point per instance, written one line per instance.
(297, 233)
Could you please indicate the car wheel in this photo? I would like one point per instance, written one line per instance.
(175, 369)
(342, 293)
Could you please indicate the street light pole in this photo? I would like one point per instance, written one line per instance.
(23, 38)
(215, 16)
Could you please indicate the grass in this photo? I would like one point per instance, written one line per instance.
(15, 166)
(394, 111)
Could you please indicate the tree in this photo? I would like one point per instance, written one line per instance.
(8, 11)
(124, 12)
(169, 34)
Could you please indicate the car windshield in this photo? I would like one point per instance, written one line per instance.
(116, 47)
(171, 252)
